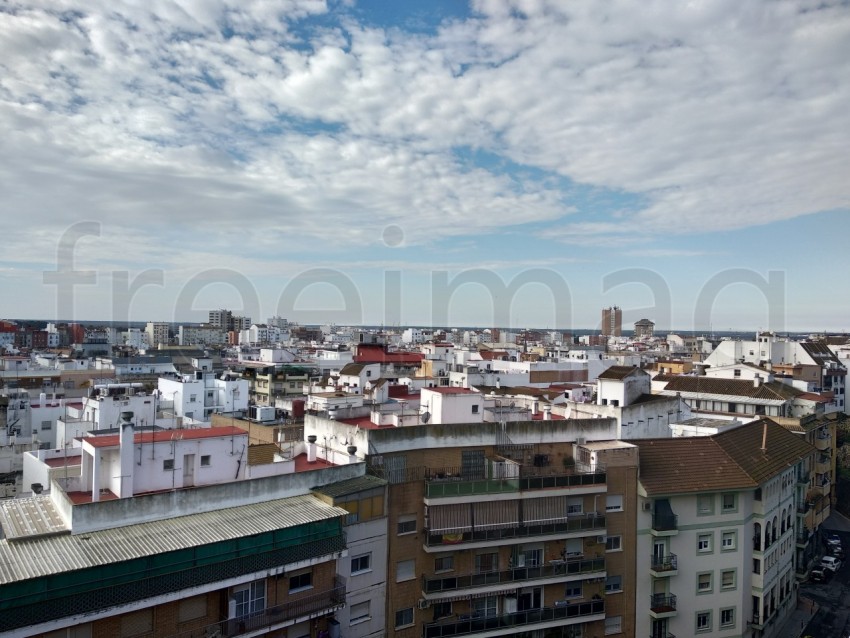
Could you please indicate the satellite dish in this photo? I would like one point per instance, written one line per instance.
(425, 416)
(513, 405)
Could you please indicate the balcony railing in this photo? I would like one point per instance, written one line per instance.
(304, 608)
(665, 522)
(667, 563)
(448, 483)
(660, 603)
(661, 634)
(582, 524)
(517, 574)
(510, 623)
(803, 478)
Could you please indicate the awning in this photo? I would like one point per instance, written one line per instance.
(496, 515)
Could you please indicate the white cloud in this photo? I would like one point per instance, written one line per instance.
(226, 117)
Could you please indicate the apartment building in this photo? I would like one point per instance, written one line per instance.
(495, 529)
(612, 321)
(153, 536)
(717, 530)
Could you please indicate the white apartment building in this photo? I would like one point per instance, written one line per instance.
(717, 530)
(157, 332)
(199, 394)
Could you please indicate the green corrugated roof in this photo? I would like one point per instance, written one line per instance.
(351, 486)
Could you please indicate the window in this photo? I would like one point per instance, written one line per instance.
(728, 541)
(575, 506)
(249, 598)
(704, 543)
(730, 503)
(613, 543)
(444, 564)
(47, 425)
(756, 566)
(727, 579)
(205, 460)
(475, 409)
(703, 621)
(192, 608)
(300, 582)
(488, 562)
(405, 570)
(486, 606)
(193, 398)
(613, 584)
(406, 524)
(705, 504)
(614, 503)
(613, 625)
(704, 583)
(573, 590)
(727, 617)
(137, 623)
(404, 618)
(361, 563)
(441, 610)
(359, 613)
(167, 465)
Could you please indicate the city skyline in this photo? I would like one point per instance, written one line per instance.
(659, 158)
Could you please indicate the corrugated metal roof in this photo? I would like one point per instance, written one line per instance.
(351, 486)
(35, 516)
(42, 556)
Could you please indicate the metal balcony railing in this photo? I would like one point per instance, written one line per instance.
(515, 575)
(513, 622)
(665, 522)
(583, 524)
(660, 603)
(311, 606)
(667, 563)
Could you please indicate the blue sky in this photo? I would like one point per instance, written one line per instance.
(243, 151)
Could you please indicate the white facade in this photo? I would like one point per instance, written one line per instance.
(157, 332)
(198, 395)
(452, 405)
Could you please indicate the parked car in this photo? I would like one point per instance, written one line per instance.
(833, 539)
(820, 575)
(831, 563)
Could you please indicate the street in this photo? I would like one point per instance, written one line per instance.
(832, 619)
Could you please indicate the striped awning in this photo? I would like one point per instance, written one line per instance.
(551, 509)
(496, 514)
(450, 519)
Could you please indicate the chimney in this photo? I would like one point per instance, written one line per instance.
(764, 437)
(352, 453)
(311, 448)
(535, 407)
(547, 412)
(127, 461)
(757, 381)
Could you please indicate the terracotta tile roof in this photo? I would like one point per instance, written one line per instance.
(619, 372)
(772, 391)
(729, 460)
(353, 369)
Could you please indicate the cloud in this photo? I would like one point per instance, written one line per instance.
(201, 123)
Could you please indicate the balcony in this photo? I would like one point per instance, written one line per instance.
(561, 570)
(823, 442)
(662, 605)
(661, 634)
(803, 478)
(663, 566)
(823, 463)
(577, 526)
(455, 482)
(665, 524)
(803, 536)
(508, 624)
(277, 617)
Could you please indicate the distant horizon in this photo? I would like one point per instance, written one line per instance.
(574, 331)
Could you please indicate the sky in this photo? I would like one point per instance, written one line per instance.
(517, 163)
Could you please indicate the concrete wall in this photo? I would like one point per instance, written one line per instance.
(89, 517)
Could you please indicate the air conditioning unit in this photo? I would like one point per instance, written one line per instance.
(601, 539)
(422, 604)
(581, 440)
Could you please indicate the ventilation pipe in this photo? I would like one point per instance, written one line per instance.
(127, 456)
(547, 412)
(311, 448)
